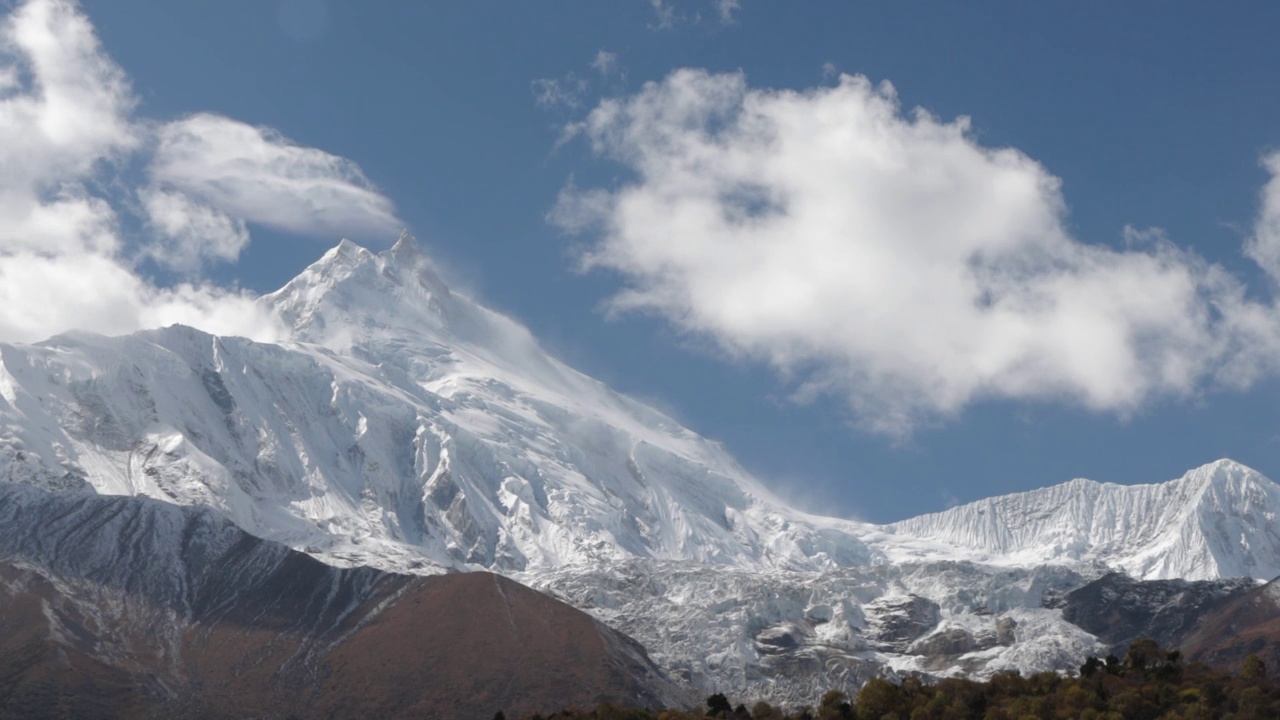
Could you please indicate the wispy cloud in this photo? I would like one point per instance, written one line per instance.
(257, 175)
(605, 63)
(666, 14)
(569, 91)
(670, 13)
(726, 10)
(891, 259)
(68, 131)
(563, 92)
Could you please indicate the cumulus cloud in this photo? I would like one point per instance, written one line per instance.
(68, 134)
(891, 259)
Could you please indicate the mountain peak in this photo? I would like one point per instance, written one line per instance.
(352, 292)
(406, 248)
(1228, 481)
(1225, 470)
(345, 250)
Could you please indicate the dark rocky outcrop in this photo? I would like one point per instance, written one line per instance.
(896, 622)
(1119, 609)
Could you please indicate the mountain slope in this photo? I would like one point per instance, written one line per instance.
(119, 607)
(406, 428)
(1249, 625)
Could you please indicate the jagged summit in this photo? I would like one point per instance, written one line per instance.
(351, 289)
(406, 248)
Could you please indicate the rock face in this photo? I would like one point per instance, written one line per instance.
(1247, 625)
(899, 620)
(124, 607)
(1118, 609)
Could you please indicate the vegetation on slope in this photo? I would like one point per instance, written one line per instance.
(1148, 684)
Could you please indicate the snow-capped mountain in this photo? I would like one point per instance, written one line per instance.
(406, 427)
(1216, 521)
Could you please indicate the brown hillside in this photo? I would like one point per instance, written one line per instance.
(1249, 625)
(126, 608)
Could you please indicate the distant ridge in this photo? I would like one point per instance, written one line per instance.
(1219, 520)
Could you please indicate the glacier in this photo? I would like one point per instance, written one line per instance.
(406, 427)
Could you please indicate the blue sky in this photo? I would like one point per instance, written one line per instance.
(1151, 115)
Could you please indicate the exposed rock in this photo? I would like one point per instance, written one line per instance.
(819, 614)
(1005, 628)
(777, 639)
(896, 621)
(954, 641)
(1118, 609)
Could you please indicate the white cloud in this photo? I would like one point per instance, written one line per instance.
(62, 114)
(42, 295)
(256, 174)
(889, 258)
(1264, 245)
(188, 233)
(67, 128)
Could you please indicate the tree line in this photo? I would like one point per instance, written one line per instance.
(1149, 683)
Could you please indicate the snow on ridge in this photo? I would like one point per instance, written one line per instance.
(1215, 521)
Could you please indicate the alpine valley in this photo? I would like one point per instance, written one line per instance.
(402, 429)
